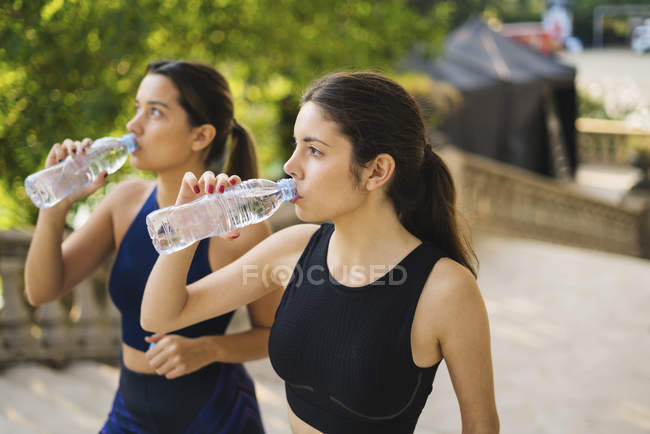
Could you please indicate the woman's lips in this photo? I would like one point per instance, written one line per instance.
(295, 199)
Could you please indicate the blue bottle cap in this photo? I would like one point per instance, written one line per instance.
(129, 141)
(287, 187)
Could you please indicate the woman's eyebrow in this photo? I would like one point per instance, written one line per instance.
(314, 139)
(158, 103)
(154, 102)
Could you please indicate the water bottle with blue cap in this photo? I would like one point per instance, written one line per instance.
(175, 227)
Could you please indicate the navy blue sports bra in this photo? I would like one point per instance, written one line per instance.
(135, 259)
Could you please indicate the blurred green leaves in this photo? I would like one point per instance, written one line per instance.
(70, 68)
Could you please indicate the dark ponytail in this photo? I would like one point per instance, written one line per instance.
(433, 215)
(379, 116)
(205, 96)
(242, 158)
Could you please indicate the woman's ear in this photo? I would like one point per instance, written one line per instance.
(203, 136)
(379, 171)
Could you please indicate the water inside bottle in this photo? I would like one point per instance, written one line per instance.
(48, 187)
(173, 229)
(111, 160)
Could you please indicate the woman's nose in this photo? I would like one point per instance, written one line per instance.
(291, 166)
(134, 125)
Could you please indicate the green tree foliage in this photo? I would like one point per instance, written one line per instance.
(504, 10)
(517, 10)
(70, 68)
(583, 11)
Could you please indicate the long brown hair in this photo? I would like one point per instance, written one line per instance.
(379, 116)
(205, 96)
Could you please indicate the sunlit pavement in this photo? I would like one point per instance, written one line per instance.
(606, 66)
(570, 342)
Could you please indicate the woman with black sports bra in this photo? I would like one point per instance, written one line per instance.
(188, 379)
(377, 298)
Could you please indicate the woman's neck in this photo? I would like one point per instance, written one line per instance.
(372, 235)
(169, 182)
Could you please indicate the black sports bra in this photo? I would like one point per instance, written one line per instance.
(345, 353)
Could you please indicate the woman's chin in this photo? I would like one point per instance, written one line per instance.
(306, 217)
(301, 214)
(137, 164)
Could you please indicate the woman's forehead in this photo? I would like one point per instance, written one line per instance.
(157, 87)
(311, 118)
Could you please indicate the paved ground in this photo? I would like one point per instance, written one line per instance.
(571, 344)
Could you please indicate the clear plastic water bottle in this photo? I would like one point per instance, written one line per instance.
(175, 227)
(49, 186)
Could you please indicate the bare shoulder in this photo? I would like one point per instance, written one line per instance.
(123, 201)
(128, 191)
(451, 289)
(258, 238)
(257, 246)
(448, 274)
(299, 231)
(293, 238)
(285, 246)
(224, 251)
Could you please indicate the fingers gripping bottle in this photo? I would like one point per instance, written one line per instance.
(175, 227)
(49, 186)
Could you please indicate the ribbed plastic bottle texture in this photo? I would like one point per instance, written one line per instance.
(49, 186)
(175, 227)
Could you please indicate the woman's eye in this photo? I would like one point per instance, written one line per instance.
(155, 111)
(315, 152)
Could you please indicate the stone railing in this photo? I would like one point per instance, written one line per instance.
(496, 197)
(602, 141)
(82, 325)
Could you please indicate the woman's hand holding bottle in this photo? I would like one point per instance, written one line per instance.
(202, 211)
(73, 171)
(193, 188)
(70, 148)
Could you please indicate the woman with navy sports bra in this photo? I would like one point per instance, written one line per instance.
(378, 297)
(189, 379)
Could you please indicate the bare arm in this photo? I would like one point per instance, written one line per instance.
(174, 355)
(54, 266)
(170, 304)
(462, 330)
(251, 344)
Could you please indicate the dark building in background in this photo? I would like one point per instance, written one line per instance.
(510, 92)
